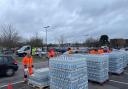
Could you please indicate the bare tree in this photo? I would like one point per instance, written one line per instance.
(35, 41)
(91, 42)
(61, 40)
(9, 36)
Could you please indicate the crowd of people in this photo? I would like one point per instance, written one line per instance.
(100, 51)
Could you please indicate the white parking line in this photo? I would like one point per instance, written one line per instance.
(23, 81)
(118, 82)
(12, 84)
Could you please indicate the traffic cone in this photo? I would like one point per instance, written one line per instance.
(9, 86)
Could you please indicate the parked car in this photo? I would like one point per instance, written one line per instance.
(40, 52)
(23, 50)
(8, 65)
(8, 52)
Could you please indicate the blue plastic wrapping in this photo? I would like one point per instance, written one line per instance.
(40, 77)
(68, 72)
(125, 58)
(98, 67)
(116, 62)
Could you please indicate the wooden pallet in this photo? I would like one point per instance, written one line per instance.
(101, 83)
(37, 86)
(118, 74)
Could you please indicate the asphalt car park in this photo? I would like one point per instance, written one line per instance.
(115, 82)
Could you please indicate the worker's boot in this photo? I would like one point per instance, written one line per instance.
(25, 79)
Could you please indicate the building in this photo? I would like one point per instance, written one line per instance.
(117, 43)
(126, 42)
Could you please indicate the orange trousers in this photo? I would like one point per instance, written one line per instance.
(30, 70)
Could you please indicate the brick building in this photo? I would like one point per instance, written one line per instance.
(126, 42)
(118, 43)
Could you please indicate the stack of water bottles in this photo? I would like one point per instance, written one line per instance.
(125, 57)
(98, 68)
(126, 52)
(116, 62)
(40, 77)
(68, 72)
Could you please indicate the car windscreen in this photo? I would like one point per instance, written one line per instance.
(8, 59)
(28, 48)
(23, 48)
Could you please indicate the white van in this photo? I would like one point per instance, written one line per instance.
(23, 50)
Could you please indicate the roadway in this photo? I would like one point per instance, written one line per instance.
(18, 77)
(115, 81)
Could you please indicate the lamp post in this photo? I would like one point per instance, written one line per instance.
(46, 30)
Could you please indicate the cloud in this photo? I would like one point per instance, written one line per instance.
(72, 18)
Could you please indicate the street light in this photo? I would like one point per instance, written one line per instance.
(46, 30)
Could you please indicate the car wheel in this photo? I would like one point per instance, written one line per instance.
(10, 72)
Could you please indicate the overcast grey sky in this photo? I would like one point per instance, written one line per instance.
(71, 18)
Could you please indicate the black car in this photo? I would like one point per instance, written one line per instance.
(8, 65)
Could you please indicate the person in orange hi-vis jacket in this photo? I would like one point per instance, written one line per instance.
(51, 53)
(100, 51)
(28, 65)
(110, 50)
(93, 51)
(69, 51)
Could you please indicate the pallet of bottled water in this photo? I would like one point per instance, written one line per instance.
(68, 72)
(125, 58)
(97, 66)
(116, 62)
(40, 78)
(126, 52)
